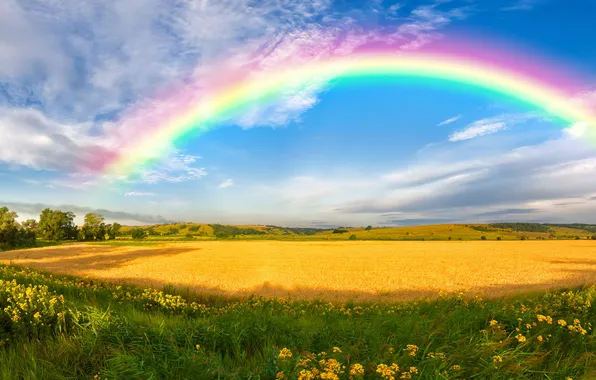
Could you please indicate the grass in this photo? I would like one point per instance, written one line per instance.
(120, 332)
(337, 271)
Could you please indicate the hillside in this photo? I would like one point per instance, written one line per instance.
(502, 231)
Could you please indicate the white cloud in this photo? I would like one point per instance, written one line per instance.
(139, 194)
(521, 5)
(490, 125)
(226, 183)
(175, 168)
(449, 121)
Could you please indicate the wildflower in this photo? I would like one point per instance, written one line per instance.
(520, 338)
(337, 350)
(414, 370)
(562, 322)
(455, 367)
(306, 375)
(198, 346)
(547, 319)
(412, 349)
(284, 353)
(493, 323)
(540, 338)
(356, 370)
(280, 375)
(498, 359)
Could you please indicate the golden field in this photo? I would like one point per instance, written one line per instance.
(339, 271)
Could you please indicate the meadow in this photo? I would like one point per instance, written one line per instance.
(338, 271)
(63, 327)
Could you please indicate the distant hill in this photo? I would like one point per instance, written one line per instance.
(493, 231)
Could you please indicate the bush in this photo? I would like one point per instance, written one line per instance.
(498, 238)
(368, 228)
(353, 237)
(189, 236)
(593, 237)
(577, 238)
(522, 238)
(194, 228)
(483, 237)
(138, 233)
(339, 231)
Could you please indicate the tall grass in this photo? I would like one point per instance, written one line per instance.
(119, 332)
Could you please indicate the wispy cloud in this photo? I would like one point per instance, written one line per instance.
(139, 194)
(477, 129)
(522, 5)
(491, 125)
(226, 183)
(449, 121)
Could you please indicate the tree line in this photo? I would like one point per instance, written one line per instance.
(53, 225)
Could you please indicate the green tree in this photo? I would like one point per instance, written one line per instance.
(94, 228)
(12, 234)
(353, 237)
(113, 230)
(56, 225)
(368, 228)
(138, 233)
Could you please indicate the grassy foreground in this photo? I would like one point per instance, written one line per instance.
(60, 327)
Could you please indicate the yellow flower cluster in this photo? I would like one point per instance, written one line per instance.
(412, 349)
(284, 353)
(542, 318)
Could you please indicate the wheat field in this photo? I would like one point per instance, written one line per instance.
(335, 271)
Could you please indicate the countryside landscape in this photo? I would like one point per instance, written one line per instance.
(297, 190)
(189, 300)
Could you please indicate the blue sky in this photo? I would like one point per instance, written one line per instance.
(381, 152)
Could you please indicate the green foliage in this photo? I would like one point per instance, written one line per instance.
(353, 237)
(138, 233)
(194, 228)
(483, 237)
(94, 227)
(56, 225)
(122, 332)
(593, 237)
(523, 227)
(12, 234)
(113, 230)
(221, 230)
(368, 228)
(339, 231)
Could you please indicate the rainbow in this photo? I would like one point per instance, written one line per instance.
(191, 114)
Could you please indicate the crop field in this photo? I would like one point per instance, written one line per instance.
(335, 271)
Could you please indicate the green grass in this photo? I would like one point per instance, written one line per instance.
(119, 332)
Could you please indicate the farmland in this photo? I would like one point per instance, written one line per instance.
(338, 271)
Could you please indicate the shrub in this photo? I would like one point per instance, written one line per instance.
(483, 237)
(353, 237)
(593, 237)
(449, 238)
(339, 231)
(522, 238)
(138, 233)
(194, 228)
(498, 238)
(368, 228)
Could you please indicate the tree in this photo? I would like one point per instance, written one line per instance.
(138, 233)
(56, 225)
(353, 237)
(368, 228)
(113, 230)
(94, 228)
(12, 234)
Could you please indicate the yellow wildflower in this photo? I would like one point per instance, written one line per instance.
(356, 370)
(540, 338)
(493, 322)
(498, 359)
(520, 338)
(306, 375)
(412, 349)
(280, 375)
(285, 353)
(562, 322)
(337, 350)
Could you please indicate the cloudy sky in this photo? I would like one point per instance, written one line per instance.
(381, 152)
